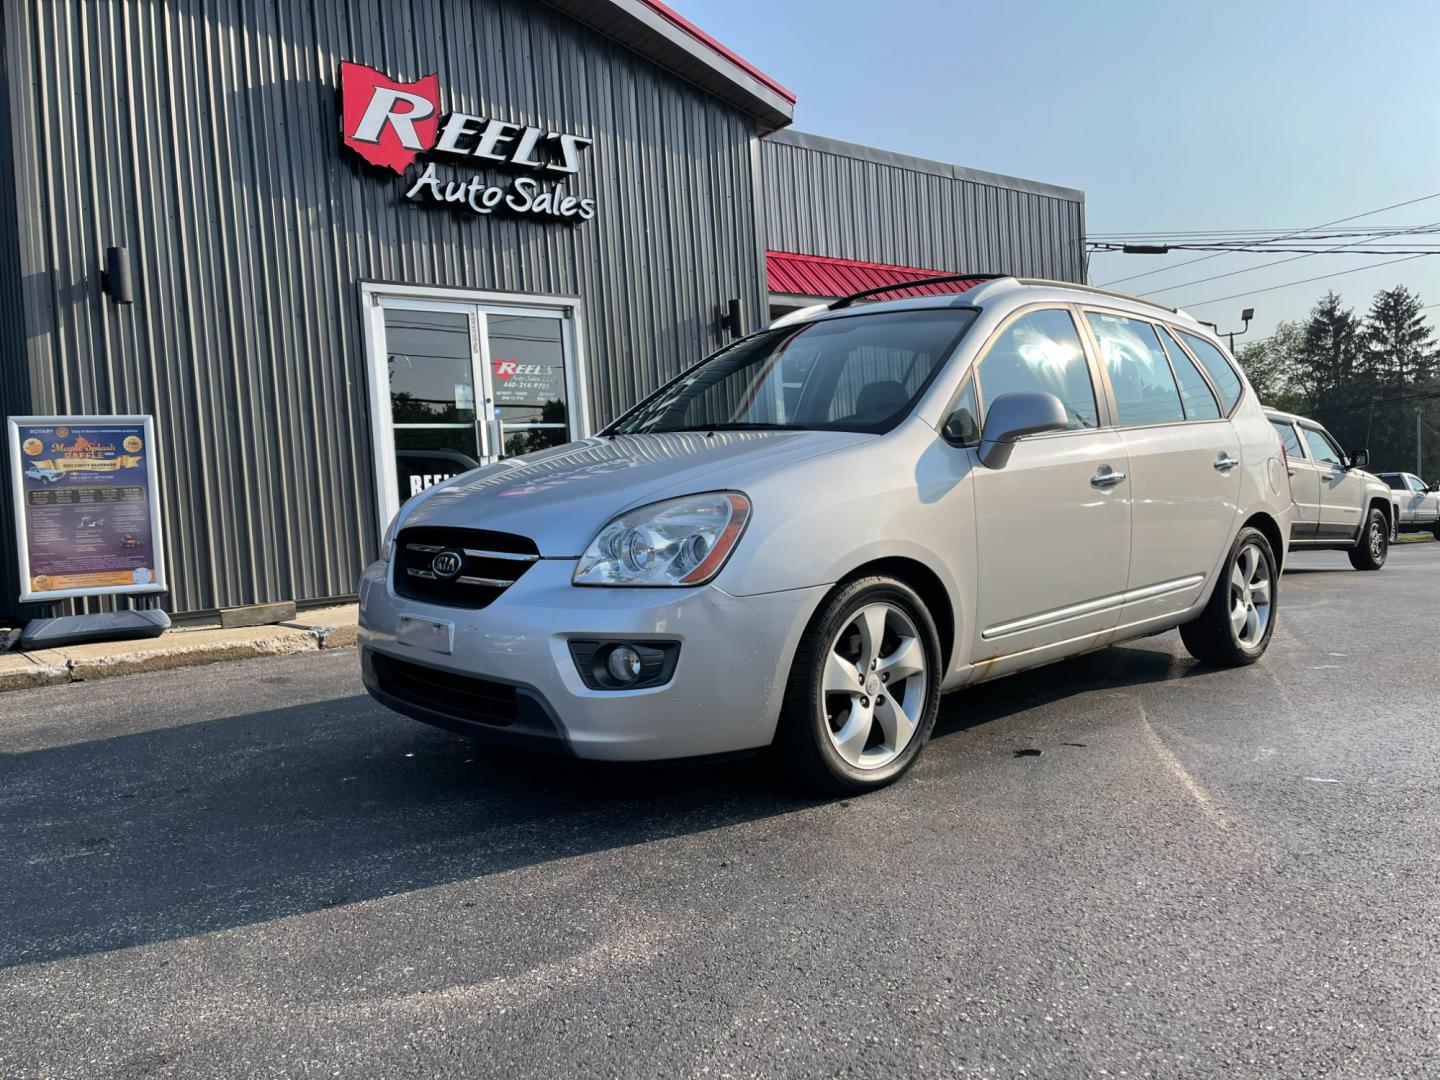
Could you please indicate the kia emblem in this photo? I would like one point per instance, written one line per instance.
(447, 564)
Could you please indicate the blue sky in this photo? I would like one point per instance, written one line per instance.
(1169, 116)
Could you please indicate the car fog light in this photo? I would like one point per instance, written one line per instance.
(623, 664)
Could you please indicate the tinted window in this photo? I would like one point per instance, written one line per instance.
(1322, 447)
(1041, 351)
(1395, 480)
(1199, 399)
(1145, 390)
(1289, 438)
(858, 373)
(1219, 369)
(963, 424)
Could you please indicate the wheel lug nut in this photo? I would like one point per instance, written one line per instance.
(864, 702)
(879, 702)
(885, 676)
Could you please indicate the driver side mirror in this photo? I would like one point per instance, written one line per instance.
(1359, 459)
(1011, 417)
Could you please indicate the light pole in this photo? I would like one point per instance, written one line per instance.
(1245, 316)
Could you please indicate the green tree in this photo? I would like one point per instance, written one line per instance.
(1330, 353)
(1274, 367)
(1399, 343)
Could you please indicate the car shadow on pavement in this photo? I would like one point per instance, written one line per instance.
(229, 822)
(235, 821)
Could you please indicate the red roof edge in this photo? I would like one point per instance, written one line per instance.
(821, 276)
(681, 23)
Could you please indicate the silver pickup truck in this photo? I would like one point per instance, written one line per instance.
(1417, 504)
(1338, 505)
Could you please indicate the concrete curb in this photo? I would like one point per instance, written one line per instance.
(330, 628)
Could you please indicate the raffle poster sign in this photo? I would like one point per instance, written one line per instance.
(87, 506)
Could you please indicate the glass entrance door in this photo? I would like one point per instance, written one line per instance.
(430, 361)
(456, 384)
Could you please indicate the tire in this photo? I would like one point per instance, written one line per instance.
(1215, 637)
(825, 699)
(1374, 545)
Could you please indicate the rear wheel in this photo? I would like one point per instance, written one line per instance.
(864, 690)
(1235, 627)
(1374, 544)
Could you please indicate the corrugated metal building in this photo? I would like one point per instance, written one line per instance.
(375, 243)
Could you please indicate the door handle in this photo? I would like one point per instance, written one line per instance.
(1224, 463)
(1106, 478)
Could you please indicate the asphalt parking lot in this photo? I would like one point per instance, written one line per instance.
(1125, 864)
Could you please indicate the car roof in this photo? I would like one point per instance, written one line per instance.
(1290, 417)
(1006, 290)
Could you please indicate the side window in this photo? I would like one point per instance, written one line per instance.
(1416, 484)
(1221, 373)
(1323, 448)
(1200, 403)
(1395, 480)
(1041, 352)
(963, 424)
(1145, 391)
(1289, 438)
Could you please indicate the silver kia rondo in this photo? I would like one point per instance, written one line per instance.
(802, 541)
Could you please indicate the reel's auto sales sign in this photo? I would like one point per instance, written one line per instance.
(392, 125)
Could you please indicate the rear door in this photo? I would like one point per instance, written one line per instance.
(1304, 481)
(1052, 527)
(1426, 502)
(1341, 490)
(1184, 463)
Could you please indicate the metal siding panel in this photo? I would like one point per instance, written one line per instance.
(204, 137)
(832, 203)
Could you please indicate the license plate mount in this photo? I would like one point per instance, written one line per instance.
(431, 635)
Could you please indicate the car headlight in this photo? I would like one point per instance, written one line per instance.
(678, 542)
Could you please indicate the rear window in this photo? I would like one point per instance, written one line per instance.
(1218, 368)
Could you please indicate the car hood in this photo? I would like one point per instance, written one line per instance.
(561, 498)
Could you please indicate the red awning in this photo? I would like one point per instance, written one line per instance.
(825, 278)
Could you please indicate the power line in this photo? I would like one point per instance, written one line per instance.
(1288, 236)
(1275, 262)
(1304, 281)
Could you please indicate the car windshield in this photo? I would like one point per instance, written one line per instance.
(858, 373)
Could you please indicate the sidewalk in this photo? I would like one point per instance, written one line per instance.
(324, 628)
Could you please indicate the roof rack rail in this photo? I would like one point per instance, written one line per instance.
(846, 301)
(1098, 289)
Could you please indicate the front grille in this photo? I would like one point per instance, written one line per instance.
(462, 697)
(484, 564)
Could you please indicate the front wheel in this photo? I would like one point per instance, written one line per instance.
(1235, 627)
(864, 690)
(1374, 544)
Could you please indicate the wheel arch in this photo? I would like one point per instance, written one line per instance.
(1271, 528)
(927, 585)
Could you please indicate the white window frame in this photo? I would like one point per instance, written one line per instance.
(376, 296)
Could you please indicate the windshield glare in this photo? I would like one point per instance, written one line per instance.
(859, 373)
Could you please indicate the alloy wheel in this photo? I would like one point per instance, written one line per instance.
(875, 685)
(1250, 596)
(1377, 541)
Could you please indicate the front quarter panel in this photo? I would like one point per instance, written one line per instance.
(906, 495)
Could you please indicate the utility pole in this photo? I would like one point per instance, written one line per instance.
(1419, 458)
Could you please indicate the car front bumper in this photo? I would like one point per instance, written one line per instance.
(725, 693)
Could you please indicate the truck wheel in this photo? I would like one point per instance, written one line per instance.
(1374, 544)
(864, 690)
(1235, 627)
